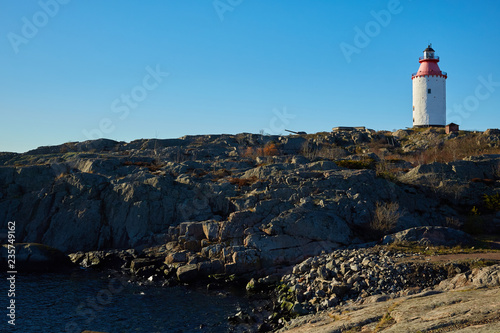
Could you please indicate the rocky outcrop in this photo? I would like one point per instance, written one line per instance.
(486, 277)
(481, 167)
(430, 236)
(461, 182)
(112, 259)
(286, 211)
(30, 258)
(220, 197)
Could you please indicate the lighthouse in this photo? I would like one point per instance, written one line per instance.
(429, 92)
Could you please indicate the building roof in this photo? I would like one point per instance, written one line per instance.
(428, 68)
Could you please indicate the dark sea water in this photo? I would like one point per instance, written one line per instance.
(88, 301)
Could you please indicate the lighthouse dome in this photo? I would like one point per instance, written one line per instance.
(429, 49)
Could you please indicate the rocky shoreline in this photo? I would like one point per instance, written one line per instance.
(362, 279)
(302, 221)
(324, 284)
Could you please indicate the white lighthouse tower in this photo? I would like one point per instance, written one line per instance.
(429, 92)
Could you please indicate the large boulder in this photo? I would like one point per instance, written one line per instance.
(211, 230)
(187, 273)
(206, 268)
(243, 262)
(264, 171)
(192, 230)
(176, 257)
(316, 226)
(237, 222)
(285, 249)
(292, 145)
(433, 236)
(140, 263)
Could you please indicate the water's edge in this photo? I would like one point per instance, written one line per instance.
(84, 300)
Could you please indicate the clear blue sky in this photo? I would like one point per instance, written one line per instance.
(235, 66)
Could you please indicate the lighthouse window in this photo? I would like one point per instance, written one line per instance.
(428, 91)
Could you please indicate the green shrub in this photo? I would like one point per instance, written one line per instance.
(492, 202)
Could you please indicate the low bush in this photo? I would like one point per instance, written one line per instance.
(270, 149)
(351, 164)
(386, 216)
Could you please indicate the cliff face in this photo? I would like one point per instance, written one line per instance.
(257, 200)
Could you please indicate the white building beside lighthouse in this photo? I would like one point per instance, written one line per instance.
(429, 92)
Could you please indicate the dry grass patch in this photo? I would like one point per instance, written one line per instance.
(386, 322)
(241, 182)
